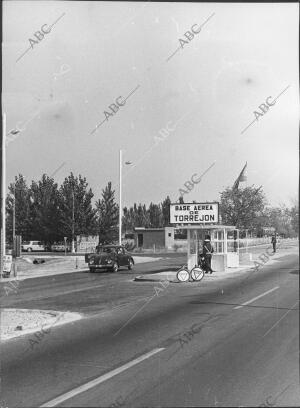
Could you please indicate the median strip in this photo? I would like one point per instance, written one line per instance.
(99, 380)
(257, 297)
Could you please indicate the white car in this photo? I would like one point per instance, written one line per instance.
(32, 246)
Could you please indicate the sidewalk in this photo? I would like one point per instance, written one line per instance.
(171, 275)
(18, 322)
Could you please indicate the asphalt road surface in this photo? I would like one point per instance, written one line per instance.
(229, 342)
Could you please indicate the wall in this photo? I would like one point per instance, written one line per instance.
(169, 240)
(152, 238)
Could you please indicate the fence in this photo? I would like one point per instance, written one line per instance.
(180, 245)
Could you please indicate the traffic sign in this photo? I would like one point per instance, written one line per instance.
(7, 262)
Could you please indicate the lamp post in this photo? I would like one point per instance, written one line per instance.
(3, 190)
(120, 197)
(73, 222)
(14, 222)
(120, 194)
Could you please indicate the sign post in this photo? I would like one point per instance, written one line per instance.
(194, 217)
(65, 239)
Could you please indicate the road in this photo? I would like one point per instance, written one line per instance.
(228, 342)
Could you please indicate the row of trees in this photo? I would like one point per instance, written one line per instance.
(247, 209)
(48, 212)
(155, 216)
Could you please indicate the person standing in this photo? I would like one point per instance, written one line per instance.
(207, 252)
(274, 242)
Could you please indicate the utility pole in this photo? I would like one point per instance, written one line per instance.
(3, 192)
(73, 222)
(120, 198)
(14, 222)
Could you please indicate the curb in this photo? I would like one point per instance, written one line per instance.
(159, 279)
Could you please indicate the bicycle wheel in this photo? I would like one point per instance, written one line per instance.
(197, 273)
(183, 275)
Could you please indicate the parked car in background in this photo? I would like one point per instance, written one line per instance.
(110, 257)
(61, 247)
(32, 246)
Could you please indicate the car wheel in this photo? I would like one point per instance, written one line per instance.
(29, 249)
(91, 270)
(130, 265)
(115, 267)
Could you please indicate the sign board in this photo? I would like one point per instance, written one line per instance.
(194, 213)
(7, 261)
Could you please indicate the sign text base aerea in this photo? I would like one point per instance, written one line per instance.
(194, 207)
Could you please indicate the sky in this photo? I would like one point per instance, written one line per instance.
(204, 89)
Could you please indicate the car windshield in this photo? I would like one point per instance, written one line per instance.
(26, 243)
(107, 250)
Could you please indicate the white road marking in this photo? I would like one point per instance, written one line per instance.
(257, 297)
(67, 292)
(99, 380)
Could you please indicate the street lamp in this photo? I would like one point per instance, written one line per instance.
(120, 195)
(14, 222)
(73, 222)
(3, 192)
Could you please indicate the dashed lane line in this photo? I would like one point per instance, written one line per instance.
(257, 297)
(99, 380)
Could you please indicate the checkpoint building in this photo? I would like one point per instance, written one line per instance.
(200, 219)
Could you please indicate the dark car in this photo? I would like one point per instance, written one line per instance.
(110, 257)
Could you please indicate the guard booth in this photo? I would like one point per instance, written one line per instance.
(200, 219)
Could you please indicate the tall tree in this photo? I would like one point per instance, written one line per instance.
(44, 209)
(294, 214)
(155, 215)
(283, 219)
(165, 205)
(107, 216)
(19, 193)
(77, 215)
(128, 220)
(242, 207)
(141, 216)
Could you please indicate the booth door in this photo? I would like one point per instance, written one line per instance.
(140, 240)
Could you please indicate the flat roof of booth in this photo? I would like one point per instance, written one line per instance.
(218, 226)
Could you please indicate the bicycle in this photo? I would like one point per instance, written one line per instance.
(196, 273)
